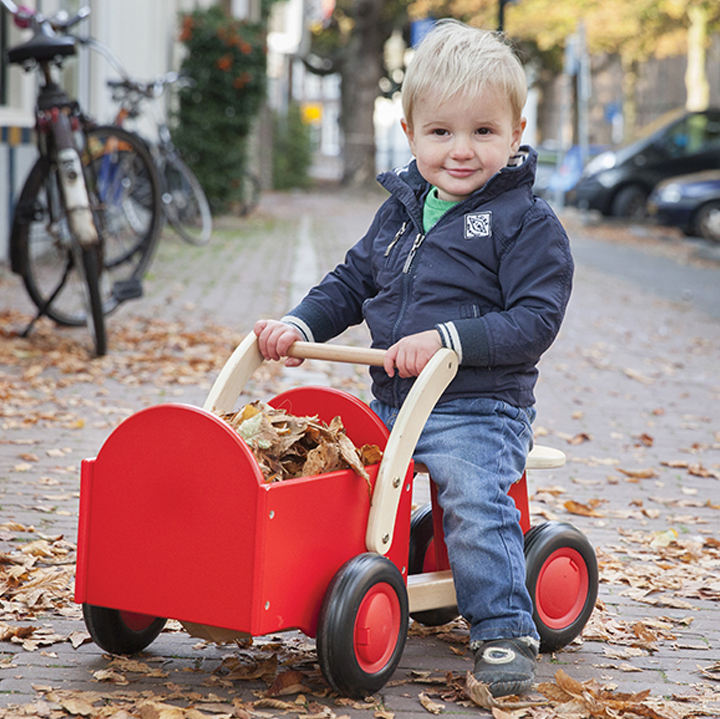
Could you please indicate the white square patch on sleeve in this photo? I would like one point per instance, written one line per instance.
(478, 224)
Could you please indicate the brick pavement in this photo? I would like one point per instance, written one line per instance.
(629, 391)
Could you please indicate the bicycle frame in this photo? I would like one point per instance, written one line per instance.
(59, 168)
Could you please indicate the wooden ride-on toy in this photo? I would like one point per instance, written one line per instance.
(177, 521)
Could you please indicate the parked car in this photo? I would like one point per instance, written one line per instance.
(690, 202)
(619, 182)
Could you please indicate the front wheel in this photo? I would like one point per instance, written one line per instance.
(120, 632)
(42, 252)
(363, 625)
(707, 222)
(184, 201)
(562, 579)
(630, 203)
(92, 269)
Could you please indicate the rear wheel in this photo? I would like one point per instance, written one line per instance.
(562, 579)
(184, 201)
(120, 632)
(125, 192)
(422, 559)
(250, 193)
(363, 625)
(707, 222)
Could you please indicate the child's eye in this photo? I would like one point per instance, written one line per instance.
(483, 131)
(440, 132)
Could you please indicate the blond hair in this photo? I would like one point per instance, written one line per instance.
(454, 59)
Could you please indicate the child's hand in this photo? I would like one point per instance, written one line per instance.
(274, 340)
(412, 353)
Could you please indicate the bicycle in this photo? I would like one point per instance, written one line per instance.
(183, 199)
(87, 219)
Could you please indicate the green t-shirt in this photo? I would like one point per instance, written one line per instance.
(434, 209)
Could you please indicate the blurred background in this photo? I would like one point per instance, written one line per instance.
(622, 94)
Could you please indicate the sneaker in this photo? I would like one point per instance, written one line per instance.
(507, 666)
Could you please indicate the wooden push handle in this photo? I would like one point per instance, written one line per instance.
(337, 353)
(247, 358)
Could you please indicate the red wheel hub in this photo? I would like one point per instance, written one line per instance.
(377, 626)
(136, 622)
(562, 588)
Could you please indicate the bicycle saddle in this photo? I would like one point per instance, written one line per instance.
(41, 48)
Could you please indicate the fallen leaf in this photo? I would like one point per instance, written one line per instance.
(429, 705)
(581, 509)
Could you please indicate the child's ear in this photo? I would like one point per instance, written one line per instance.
(517, 134)
(407, 129)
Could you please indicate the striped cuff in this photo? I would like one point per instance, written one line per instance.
(450, 338)
(300, 326)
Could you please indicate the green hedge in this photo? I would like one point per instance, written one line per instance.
(226, 63)
(292, 150)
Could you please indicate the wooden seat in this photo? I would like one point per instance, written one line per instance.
(539, 458)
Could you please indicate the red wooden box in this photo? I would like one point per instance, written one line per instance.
(177, 521)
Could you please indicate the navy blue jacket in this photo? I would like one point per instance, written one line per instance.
(494, 276)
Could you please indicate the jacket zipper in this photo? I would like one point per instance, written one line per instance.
(398, 234)
(413, 251)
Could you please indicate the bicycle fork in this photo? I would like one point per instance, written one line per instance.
(72, 181)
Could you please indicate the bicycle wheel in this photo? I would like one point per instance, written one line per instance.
(92, 270)
(184, 201)
(251, 193)
(124, 188)
(43, 256)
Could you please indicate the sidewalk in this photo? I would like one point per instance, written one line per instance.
(630, 392)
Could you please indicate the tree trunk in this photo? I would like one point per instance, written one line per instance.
(696, 82)
(630, 81)
(361, 72)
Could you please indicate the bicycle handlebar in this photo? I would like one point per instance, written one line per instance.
(61, 22)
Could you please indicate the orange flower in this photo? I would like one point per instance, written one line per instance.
(241, 80)
(224, 63)
(187, 27)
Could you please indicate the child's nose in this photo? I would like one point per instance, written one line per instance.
(462, 147)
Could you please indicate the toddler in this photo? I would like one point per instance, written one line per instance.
(461, 255)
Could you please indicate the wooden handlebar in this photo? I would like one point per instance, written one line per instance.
(337, 353)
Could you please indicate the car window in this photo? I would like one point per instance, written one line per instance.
(692, 135)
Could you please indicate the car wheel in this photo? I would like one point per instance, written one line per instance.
(630, 202)
(707, 222)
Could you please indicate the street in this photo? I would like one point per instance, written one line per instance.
(629, 391)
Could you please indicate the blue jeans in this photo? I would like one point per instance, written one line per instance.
(474, 450)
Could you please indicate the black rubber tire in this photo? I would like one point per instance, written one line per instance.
(562, 579)
(251, 193)
(421, 536)
(707, 222)
(184, 201)
(124, 188)
(92, 268)
(42, 250)
(630, 202)
(110, 631)
(362, 625)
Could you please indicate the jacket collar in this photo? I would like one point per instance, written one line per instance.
(410, 187)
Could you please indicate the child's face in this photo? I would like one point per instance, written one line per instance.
(459, 145)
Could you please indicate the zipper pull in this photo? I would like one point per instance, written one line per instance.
(396, 238)
(413, 251)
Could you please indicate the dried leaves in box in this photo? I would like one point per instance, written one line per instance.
(287, 446)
